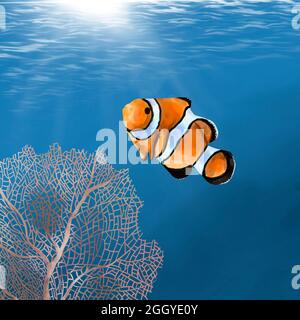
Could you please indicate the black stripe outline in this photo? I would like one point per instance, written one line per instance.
(174, 127)
(159, 121)
(227, 175)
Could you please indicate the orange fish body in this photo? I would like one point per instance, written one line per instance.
(168, 131)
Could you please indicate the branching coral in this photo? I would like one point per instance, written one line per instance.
(69, 229)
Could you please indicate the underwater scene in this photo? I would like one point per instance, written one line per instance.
(72, 227)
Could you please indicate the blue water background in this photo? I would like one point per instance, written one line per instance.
(65, 75)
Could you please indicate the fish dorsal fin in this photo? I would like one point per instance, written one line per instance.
(172, 111)
(187, 100)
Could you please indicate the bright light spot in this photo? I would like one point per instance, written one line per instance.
(97, 7)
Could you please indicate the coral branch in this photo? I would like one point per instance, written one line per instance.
(13, 254)
(9, 295)
(69, 229)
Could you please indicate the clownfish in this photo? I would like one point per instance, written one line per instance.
(171, 133)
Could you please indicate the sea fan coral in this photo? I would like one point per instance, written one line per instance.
(69, 229)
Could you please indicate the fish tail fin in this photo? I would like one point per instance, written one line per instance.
(216, 166)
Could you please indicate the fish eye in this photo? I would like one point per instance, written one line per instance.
(147, 110)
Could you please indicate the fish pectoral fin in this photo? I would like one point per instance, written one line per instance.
(152, 143)
(161, 142)
(142, 146)
(143, 153)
